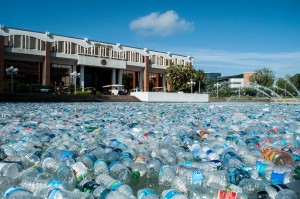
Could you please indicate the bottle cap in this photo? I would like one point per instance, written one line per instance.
(136, 175)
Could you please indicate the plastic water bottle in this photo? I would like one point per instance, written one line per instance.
(147, 194)
(173, 194)
(56, 193)
(236, 175)
(87, 159)
(215, 179)
(251, 187)
(166, 176)
(286, 194)
(276, 156)
(205, 165)
(273, 190)
(100, 166)
(33, 184)
(51, 165)
(114, 185)
(120, 172)
(153, 167)
(10, 169)
(64, 173)
(277, 177)
(17, 193)
(81, 171)
(126, 159)
(31, 171)
(181, 183)
(294, 185)
(98, 191)
(117, 195)
(5, 183)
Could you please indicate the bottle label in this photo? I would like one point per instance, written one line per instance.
(52, 193)
(112, 164)
(141, 159)
(171, 193)
(12, 190)
(104, 193)
(223, 194)
(99, 161)
(209, 152)
(269, 154)
(277, 177)
(125, 155)
(66, 155)
(188, 164)
(260, 168)
(197, 177)
(54, 183)
(92, 157)
(39, 169)
(79, 170)
(89, 187)
(115, 185)
(145, 193)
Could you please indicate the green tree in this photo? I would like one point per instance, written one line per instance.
(264, 77)
(199, 77)
(295, 79)
(179, 76)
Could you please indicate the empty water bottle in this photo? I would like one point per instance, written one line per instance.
(56, 193)
(147, 194)
(120, 172)
(17, 193)
(10, 169)
(98, 191)
(173, 194)
(100, 166)
(166, 176)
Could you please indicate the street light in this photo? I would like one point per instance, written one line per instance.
(192, 83)
(199, 86)
(75, 75)
(11, 71)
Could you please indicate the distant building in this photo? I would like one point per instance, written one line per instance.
(213, 76)
(49, 59)
(236, 81)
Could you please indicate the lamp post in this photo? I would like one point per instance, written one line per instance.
(217, 89)
(11, 71)
(75, 75)
(192, 83)
(199, 86)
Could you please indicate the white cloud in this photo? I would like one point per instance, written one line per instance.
(164, 24)
(231, 63)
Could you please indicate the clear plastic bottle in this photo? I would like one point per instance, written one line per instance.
(98, 191)
(114, 185)
(51, 165)
(5, 183)
(251, 187)
(181, 183)
(64, 173)
(236, 175)
(100, 166)
(173, 194)
(294, 185)
(153, 167)
(56, 193)
(126, 159)
(166, 176)
(17, 193)
(215, 179)
(286, 194)
(87, 159)
(31, 171)
(273, 190)
(117, 195)
(32, 184)
(147, 194)
(120, 172)
(81, 171)
(10, 169)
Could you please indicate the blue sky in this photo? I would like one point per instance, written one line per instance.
(227, 36)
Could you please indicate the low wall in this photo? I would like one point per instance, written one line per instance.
(170, 97)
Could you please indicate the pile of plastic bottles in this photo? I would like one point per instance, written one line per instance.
(149, 151)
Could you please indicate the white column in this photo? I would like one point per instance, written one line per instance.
(141, 78)
(74, 69)
(120, 76)
(113, 76)
(82, 77)
(164, 83)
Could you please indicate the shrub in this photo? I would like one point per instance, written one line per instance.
(22, 88)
